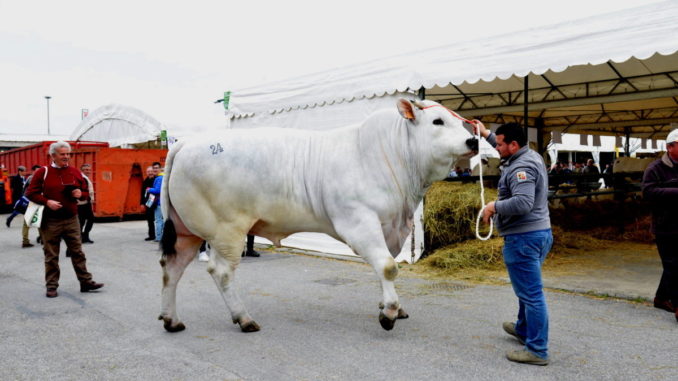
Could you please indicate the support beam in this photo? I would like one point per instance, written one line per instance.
(572, 102)
(422, 93)
(526, 102)
(626, 123)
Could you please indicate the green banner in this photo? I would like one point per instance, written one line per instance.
(227, 98)
(163, 135)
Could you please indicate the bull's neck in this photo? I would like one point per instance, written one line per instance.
(392, 151)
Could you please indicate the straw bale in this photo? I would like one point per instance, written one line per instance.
(450, 212)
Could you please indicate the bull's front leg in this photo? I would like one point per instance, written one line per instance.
(366, 238)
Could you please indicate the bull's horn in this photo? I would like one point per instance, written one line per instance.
(419, 104)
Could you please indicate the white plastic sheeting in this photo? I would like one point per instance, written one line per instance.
(639, 32)
(410, 253)
(118, 125)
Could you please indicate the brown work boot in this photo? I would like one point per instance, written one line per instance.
(26, 244)
(665, 305)
(51, 293)
(90, 285)
(510, 328)
(526, 357)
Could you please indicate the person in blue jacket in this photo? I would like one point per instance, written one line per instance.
(155, 191)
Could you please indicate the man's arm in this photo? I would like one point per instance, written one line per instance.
(478, 126)
(656, 190)
(522, 182)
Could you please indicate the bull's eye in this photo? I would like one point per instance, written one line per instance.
(438, 122)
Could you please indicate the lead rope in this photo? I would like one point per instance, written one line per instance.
(482, 197)
(480, 166)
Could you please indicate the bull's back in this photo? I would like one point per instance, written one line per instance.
(245, 177)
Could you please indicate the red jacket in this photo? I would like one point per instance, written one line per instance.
(57, 186)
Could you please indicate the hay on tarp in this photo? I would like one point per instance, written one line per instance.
(468, 254)
(476, 254)
(450, 212)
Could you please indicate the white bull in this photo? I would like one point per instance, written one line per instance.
(359, 184)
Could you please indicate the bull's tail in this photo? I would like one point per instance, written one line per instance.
(169, 233)
(169, 238)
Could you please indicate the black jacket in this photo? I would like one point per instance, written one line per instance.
(148, 183)
(660, 188)
(17, 185)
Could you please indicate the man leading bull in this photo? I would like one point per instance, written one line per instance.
(522, 217)
(59, 189)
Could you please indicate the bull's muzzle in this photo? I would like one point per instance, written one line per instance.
(472, 144)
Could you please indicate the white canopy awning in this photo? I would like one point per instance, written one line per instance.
(118, 125)
(573, 68)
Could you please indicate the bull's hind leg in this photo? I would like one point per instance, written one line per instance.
(222, 265)
(173, 266)
(365, 237)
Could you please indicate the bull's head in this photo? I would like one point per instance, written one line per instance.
(442, 132)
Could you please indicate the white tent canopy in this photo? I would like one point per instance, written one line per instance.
(118, 125)
(614, 59)
(614, 74)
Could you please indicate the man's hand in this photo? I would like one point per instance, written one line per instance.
(77, 193)
(479, 126)
(488, 212)
(54, 205)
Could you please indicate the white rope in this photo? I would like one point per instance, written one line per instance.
(482, 196)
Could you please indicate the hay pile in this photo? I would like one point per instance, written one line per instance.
(450, 212)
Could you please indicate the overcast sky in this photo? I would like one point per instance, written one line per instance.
(172, 61)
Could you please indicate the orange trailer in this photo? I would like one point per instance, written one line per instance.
(117, 177)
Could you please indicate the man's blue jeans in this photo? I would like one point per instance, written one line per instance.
(524, 254)
(159, 223)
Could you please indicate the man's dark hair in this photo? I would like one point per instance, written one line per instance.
(513, 132)
(156, 163)
(33, 168)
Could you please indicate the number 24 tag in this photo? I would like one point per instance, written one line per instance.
(216, 149)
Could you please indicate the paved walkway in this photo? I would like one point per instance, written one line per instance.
(318, 318)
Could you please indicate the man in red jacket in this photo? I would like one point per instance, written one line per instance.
(59, 190)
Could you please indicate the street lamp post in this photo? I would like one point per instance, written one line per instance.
(47, 97)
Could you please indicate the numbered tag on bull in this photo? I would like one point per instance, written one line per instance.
(216, 149)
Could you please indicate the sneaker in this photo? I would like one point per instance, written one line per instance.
(149, 239)
(203, 257)
(26, 244)
(51, 293)
(90, 286)
(665, 305)
(510, 328)
(526, 357)
(250, 253)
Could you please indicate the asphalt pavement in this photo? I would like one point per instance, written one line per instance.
(318, 318)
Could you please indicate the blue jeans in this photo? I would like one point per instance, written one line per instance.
(159, 223)
(524, 254)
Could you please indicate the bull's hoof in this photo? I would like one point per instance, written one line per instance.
(402, 314)
(385, 322)
(250, 326)
(172, 328)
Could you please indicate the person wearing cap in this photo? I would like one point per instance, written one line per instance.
(521, 215)
(660, 189)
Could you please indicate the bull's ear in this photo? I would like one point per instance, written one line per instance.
(406, 109)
